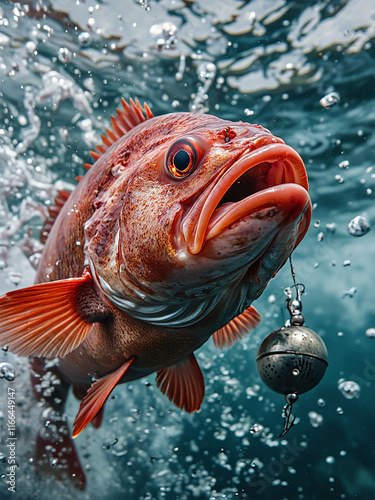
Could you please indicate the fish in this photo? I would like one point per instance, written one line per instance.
(172, 233)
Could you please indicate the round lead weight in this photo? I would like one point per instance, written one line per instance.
(292, 360)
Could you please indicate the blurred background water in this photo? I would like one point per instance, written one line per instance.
(305, 70)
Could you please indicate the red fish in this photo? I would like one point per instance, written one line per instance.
(166, 241)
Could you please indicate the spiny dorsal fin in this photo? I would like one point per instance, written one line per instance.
(53, 212)
(128, 117)
(131, 115)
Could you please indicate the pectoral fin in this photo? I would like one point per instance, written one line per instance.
(183, 384)
(237, 328)
(96, 396)
(46, 319)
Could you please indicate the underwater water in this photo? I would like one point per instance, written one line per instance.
(305, 70)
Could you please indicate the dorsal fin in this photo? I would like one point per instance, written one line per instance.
(128, 117)
(95, 155)
(53, 212)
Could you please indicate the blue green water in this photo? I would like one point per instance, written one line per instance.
(267, 62)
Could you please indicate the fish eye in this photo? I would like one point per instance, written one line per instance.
(181, 159)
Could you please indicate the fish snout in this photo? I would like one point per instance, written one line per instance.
(267, 185)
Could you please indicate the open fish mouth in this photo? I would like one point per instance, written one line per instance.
(272, 176)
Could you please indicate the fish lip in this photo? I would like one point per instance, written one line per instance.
(209, 219)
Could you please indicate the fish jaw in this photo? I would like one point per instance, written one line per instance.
(247, 230)
(262, 189)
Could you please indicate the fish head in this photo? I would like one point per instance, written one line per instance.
(203, 210)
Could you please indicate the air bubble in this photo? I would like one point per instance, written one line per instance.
(91, 23)
(340, 179)
(295, 372)
(370, 332)
(22, 120)
(330, 460)
(350, 293)
(64, 55)
(256, 429)
(271, 299)
(359, 226)
(330, 100)
(84, 39)
(331, 227)
(35, 259)
(15, 277)
(30, 47)
(7, 371)
(349, 389)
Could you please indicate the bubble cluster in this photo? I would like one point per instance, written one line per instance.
(206, 71)
(316, 420)
(7, 371)
(344, 164)
(165, 35)
(256, 429)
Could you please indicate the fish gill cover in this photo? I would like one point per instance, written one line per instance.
(305, 71)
